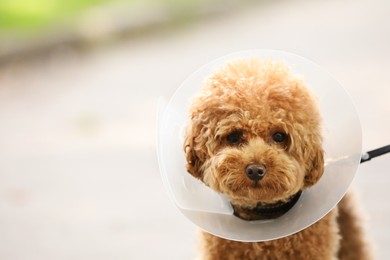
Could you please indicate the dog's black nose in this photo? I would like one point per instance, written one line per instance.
(255, 172)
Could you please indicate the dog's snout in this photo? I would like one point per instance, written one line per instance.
(255, 172)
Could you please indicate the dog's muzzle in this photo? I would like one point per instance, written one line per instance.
(266, 211)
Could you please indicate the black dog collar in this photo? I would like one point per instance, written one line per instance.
(266, 211)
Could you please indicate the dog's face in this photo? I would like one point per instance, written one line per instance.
(254, 135)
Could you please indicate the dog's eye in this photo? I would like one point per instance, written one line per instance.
(279, 137)
(234, 137)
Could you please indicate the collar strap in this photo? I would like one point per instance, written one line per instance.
(266, 211)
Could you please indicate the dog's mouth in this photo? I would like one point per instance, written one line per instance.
(263, 211)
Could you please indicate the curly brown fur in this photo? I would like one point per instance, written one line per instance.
(354, 244)
(257, 113)
(319, 241)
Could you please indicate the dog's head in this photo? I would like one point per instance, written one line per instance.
(254, 135)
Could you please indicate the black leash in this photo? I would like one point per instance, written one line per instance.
(375, 153)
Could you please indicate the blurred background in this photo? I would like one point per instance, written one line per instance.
(79, 83)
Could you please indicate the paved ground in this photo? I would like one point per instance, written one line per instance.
(78, 172)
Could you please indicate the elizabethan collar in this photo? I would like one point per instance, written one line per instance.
(211, 211)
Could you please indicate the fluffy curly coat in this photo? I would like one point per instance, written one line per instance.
(257, 113)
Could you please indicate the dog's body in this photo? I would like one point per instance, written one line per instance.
(336, 236)
(255, 136)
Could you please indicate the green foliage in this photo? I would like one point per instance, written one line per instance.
(32, 14)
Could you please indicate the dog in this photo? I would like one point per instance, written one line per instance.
(254, 135)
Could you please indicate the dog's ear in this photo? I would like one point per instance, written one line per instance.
(315, 165)
(193, 149)
(192, 164)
